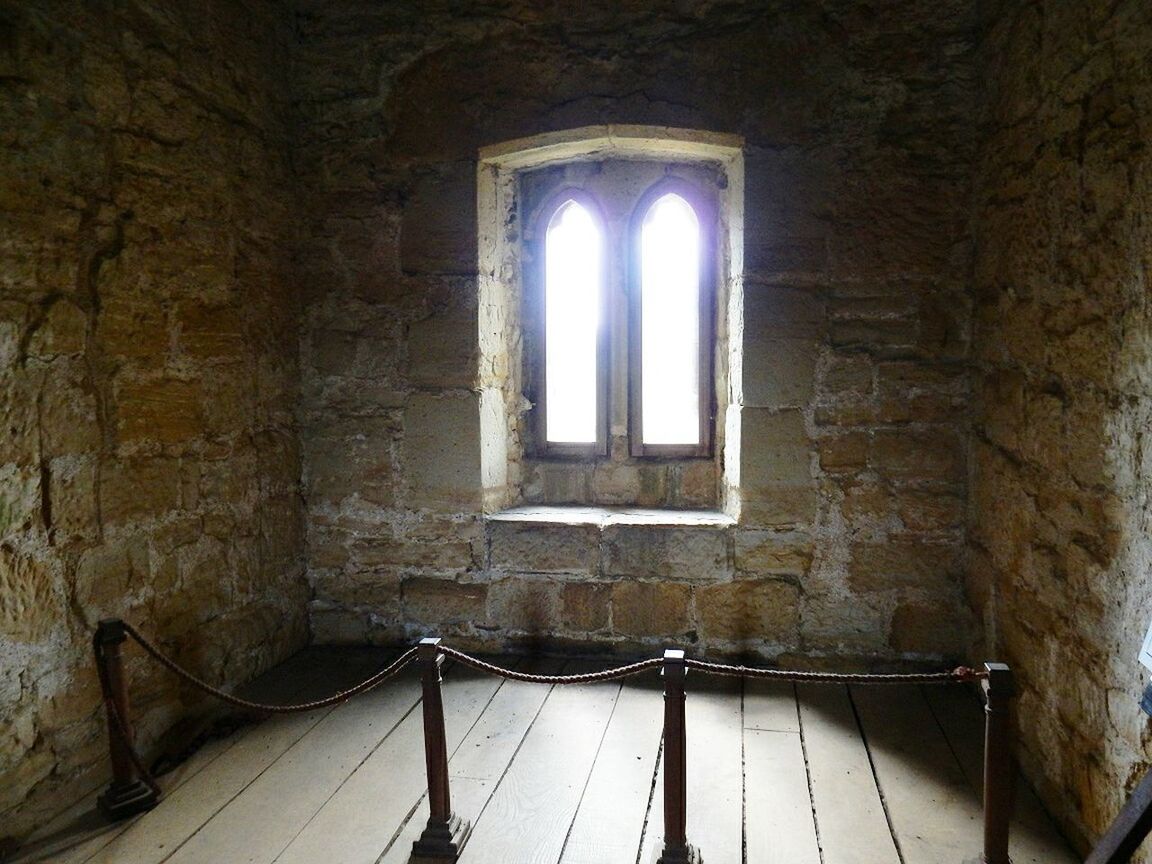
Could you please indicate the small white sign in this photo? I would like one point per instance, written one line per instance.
(1146, 650)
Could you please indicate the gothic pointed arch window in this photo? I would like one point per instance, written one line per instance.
(573, 396)
(609, 296)
(672, 406)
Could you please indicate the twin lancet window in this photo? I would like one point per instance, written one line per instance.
(660, 264)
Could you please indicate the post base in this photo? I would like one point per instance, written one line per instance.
(686, 854)
(441, 842)
(124, 799)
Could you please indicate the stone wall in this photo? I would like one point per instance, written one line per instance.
(148, 458)
(853, 402)
(1061, 565)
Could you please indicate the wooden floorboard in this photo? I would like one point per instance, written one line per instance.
(934, 815)
(850, 818)
(532, 809)
(608, 823)
(484, 755)
(356, 824)
(777, 774)
(779, 825)
(256, 826)
(1034, 838)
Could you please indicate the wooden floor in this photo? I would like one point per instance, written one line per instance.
(814, 774)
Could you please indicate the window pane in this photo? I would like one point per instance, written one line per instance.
(572, 320)
(670, 323)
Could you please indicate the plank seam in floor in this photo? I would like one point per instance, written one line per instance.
(743, 778)
(875, 775)
(591, 768)
(651, 797)
(807, 773)
(347, 777)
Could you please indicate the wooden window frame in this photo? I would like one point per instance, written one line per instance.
(706, 215)
(535, 328)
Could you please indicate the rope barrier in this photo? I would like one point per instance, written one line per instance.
(335, 699)
(959, 674)
(580, 678)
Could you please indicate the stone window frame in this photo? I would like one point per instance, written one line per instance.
(505, 437)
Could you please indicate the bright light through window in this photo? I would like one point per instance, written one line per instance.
(670, 322)
(572, 312)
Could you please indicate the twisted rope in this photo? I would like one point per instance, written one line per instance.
(335, 699)
(580, 678)
(959, 674)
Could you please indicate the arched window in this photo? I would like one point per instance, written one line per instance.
(671, 327)
(574, 411)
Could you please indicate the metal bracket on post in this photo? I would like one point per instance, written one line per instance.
(445, 834)
(128, 793)
(676, 849)
(999, 771)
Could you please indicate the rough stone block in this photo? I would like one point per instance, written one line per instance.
(762, 552)
(441, 450)
(843, 375)
(443, 601)
(438, 231)
(903, 564)
(442, 351)
(30, 608)
(774, 449)
(211, 332)
(754, 610)
(351, 458)
(667, 552)
(170, 411)
(543, 548)
(696, 485)
(907, 454)
(844, 453)
(777, 311)
(584, 606)
(930, 628)
(779, 505)
(651, 609)
(779, 373)
(930, 511)
(135, 488)
(524, 604)
(62, 332)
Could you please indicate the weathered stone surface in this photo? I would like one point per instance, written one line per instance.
(442, 451)
(537, 548)
(774, 450)
(169, 411)
(148, 365)
(442, 601)
(749, 611)
(901, 565)
(524, 604)
(773, 552)
(584, 606)
(927, 629)
(644, 609)
(667, 552)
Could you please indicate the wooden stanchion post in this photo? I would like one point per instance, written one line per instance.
(676, 847)
(127, 794)
(445, 834)
(999, 769)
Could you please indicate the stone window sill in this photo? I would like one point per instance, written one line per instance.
(610, 543)
(610, 516)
